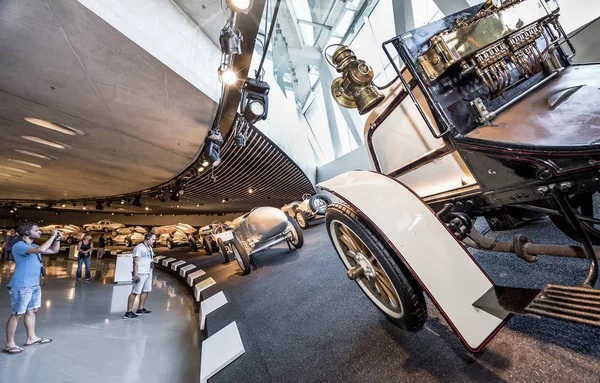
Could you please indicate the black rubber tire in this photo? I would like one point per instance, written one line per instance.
(300, 234)
(106, 229)
(193, 245)
(409, 291)
(207, 247)
(223, 249)
(109, 241)
(320, 210)
(303, 221)
(69, 240)
(244, 257)
(128, 242)
(170, 244)
(114, 233)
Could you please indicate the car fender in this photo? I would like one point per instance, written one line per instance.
(436, 259)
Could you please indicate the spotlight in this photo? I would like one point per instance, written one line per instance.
(38, 206)
(201, 169)
(215, 136)
(63, 205)
(136, 201)
(211, 153)
(239, 140)
(74, 204)
(250, 191)
(147, 208)
(181, 191)
(84, 208)
(12, 211)
(227, 75)
(174, 196)
(99, 205)
(242, 6)
(109, 203)
(230, 40)
(254, 103)
(122, 202)
(205, 163)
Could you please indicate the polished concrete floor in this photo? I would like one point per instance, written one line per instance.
(91, 340)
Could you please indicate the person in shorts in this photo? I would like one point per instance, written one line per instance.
(9, 240)
(142, 276)
(24, 286)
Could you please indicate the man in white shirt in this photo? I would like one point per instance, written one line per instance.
(142, 276)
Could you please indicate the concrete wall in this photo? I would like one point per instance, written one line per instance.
(76, 218)
(166, 32)
(358, 159)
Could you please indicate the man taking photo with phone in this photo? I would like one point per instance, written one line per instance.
(24, 286)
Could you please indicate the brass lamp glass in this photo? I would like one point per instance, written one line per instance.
(354, 89)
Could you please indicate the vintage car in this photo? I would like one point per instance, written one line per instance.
(48, 228)
(490, 119)
(252, 232)
(103, 225)
(72, 233)
(180, 234)
(311, 207)
(209, 242)
(127, 236)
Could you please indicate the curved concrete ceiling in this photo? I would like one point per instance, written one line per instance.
(59, 62)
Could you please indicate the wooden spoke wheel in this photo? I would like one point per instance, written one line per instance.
(375, 269)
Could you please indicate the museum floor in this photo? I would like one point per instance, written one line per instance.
(301, 320)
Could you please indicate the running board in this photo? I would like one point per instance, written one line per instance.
(569, 303)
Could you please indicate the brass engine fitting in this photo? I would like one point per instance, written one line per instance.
(354, 89)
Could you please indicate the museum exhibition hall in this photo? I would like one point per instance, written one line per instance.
(263, 191)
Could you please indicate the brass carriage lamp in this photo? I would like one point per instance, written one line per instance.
(354, 89)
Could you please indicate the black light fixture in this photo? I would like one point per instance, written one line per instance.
(254, 105)
(211, 153)
(230, 40)
(99, 205)
(240, 6)
(109, 203)
(174, 195)
(239, 138)
(74, 204)
(136, 201)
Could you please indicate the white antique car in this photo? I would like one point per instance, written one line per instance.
(490, 118)
(127, 236)
(252, 232)
(72, 233)
(207, 236)
(311, 208)
(180, 234)
(106, 225)
(48, 228)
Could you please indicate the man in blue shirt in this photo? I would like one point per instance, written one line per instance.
(24, 286)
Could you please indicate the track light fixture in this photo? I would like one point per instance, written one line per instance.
(137, 201)
(74, 204)
(211, 153)
(109, 203)
(227, 74)
(254, 105)
(240, 6)
(230, 40)
(99, 205)
(122, 202)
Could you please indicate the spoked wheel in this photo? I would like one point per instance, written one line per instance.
(223, 250)
(207, 247)
(301, 219)
(241, 256)
(372, 266)
(584, 204)
(297, 239)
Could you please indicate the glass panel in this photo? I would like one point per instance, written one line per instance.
(425, 12)
(317, 121)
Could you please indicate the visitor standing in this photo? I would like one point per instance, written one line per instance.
(142, 276)
(24, 286)
(9, 241)
(84, 249)
(101, 246)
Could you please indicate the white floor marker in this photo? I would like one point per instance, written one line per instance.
(194, 275)
(198, 288)
(219, 350)
(165, 262)
(184, 269)
(175, 265)
(209, 305)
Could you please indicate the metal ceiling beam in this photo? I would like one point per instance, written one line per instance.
(404, 18)
(448, 7)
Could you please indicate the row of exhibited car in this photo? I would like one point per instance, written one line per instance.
(259, 229)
